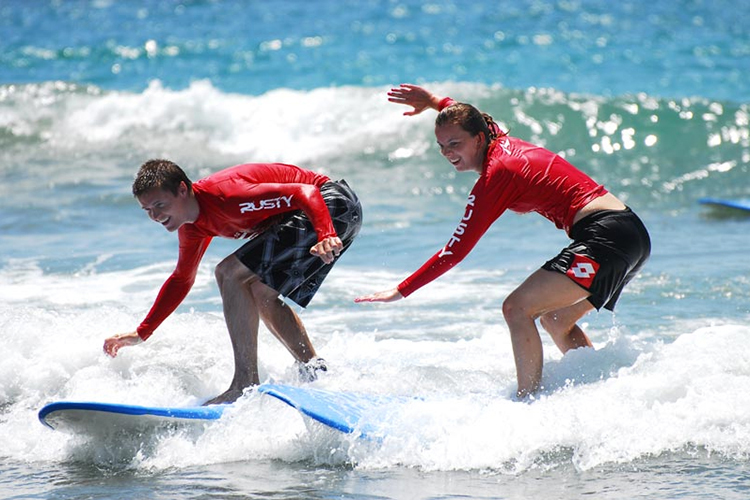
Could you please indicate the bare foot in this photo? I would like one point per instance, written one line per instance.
(308, 372)
(230, 396)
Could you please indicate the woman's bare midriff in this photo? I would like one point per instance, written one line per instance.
(606, 202)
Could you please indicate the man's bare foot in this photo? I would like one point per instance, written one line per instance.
(308, 372)
(230, 396)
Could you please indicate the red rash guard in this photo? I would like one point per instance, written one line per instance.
(233, 203)
(518, 176)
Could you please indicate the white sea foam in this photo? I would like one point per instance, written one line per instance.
(629, 398)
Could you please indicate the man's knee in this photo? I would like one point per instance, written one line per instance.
(232, 270)
(264, 293)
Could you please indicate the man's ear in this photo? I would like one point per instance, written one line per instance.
(182, 189)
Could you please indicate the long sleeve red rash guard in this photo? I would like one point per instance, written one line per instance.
(233, 203)
(519, 176)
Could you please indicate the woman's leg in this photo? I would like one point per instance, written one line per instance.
(562, 326)
(542, 292)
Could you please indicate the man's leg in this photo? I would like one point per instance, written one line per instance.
(235, 282)
(541, 293)
(282, 321)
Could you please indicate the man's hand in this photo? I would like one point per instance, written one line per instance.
(391, 295)
(114, 343)
(328, 249)
(414, 96)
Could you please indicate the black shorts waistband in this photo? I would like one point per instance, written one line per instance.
(598, 216)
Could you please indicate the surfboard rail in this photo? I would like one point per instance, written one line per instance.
(348, 412)
(70, 413)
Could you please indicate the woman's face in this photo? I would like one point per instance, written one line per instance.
(464, 152)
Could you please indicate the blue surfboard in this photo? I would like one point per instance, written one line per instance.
(78, 416)
(343, 411)
(740, 204)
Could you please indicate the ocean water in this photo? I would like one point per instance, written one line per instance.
(650, 98)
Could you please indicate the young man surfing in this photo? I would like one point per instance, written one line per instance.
(298, 223)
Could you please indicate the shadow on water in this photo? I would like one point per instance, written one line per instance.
(716, 213)
(689, 473)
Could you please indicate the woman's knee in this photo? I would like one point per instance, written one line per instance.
(514, 308)
(552, 325)
(561, 322)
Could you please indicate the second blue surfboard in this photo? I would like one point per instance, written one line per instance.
(740, 204)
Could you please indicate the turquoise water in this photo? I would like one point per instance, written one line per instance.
(651, 99)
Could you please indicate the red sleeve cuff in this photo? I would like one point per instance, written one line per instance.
(143, 333)
(445, 102)
(403, 289)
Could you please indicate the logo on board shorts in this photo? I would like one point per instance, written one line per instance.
(582, 270)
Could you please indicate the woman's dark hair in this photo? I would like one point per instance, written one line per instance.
(162, 174)
(470, 119)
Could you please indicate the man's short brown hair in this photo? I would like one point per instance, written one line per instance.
(162, 174)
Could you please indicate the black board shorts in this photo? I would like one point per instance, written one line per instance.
(280, 255)
(609, 248)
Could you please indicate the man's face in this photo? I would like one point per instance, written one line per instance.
(169, 210)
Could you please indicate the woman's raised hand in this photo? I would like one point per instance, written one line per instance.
(414, 96)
